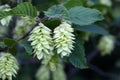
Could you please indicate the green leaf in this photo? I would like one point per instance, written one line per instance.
(27, 47)
(57, 11)
(84, 16)
(13, 50)
(23, 9)
(43, 5)
(92, 28)
(72, 3)
(9, 42)
(4, 14)
(52, 23)
(77, 58)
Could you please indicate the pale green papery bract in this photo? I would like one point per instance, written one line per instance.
(43, 73)
(64, 39)
(41, 41)
(8, 66)
(106, 45)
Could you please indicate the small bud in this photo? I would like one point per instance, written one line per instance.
(8, 66)
(63, 39)
(106, 45)
(41, 41)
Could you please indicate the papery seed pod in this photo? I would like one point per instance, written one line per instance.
(51, 62)
(106, 45)
(59, 73)
(63, 39)
(41, 41)
(8, 66)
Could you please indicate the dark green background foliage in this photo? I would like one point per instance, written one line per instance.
(86, 63)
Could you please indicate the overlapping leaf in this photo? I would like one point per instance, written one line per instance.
(84, 16)
(57, 11)
(26, 45)
(72, 3)
(23, 9)
(92, 28)
(77, 58)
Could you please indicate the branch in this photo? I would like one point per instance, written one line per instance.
(96, 69)
(27, 32)
(93, 67)
(102, 73)
(38, 20)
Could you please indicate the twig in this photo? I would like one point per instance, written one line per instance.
(93, 67)
(96, 69)
(27, 32)
(38, 20)
(92, 55)
(102, 73)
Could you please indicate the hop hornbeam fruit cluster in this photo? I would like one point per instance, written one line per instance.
(8, 66)
(44, 44)
(106, 45)
(41, 41)
(63, 39)
(43, 73)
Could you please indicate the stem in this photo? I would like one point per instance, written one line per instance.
(96, 69)
(27, 32)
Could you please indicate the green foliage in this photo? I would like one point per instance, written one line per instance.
(77, 58)
(42, 5)
(92, 28)
(84, 16)
(26, 45)
(77, 15)
(13, 50)
(9, 42)
(23, 9)
(72, 3)
(57, 11)
(73, 12)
